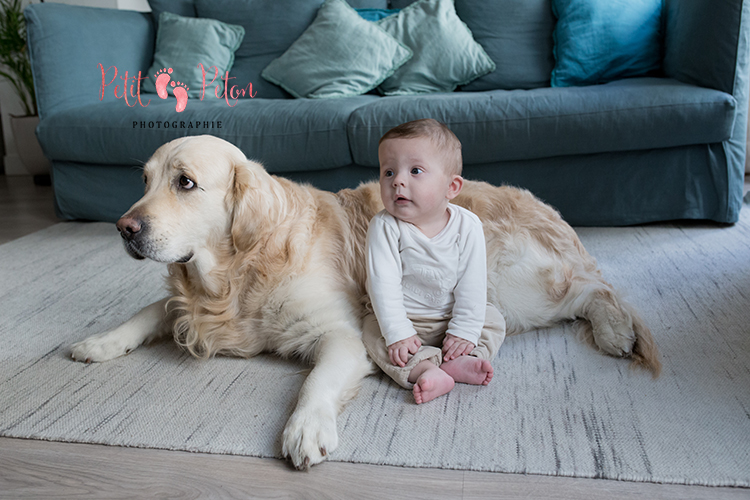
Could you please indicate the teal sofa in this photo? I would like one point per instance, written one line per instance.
(667, 146)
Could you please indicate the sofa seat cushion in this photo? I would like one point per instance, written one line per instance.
(285, 135)
(627, 115)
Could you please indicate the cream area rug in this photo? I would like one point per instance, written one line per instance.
(554, 407)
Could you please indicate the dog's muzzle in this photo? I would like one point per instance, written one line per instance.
(132, 230)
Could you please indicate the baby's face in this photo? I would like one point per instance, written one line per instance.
(414, 184)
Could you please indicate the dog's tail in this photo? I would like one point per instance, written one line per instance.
(645, 353)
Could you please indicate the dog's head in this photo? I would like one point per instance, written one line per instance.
(194, 186)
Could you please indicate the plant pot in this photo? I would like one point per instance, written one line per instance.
(28, 147)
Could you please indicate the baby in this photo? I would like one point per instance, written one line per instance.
(426, 269)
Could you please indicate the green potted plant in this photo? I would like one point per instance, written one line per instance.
(16, 68)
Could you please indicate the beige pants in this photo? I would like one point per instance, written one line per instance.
(431, 332)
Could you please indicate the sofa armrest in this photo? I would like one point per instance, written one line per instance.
(67, 43)
(706, 42)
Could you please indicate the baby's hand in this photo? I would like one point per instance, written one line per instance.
(455, 347)
(401, 351)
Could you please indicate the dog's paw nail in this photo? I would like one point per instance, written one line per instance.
(88, 361)
(323, 452)
(128, 351)
(305, 465)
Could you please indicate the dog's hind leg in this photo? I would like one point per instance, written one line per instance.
(147, 324)
(615, 327)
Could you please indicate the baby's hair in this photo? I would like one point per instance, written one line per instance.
(441, 136)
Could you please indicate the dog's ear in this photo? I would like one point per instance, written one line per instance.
(256, 206)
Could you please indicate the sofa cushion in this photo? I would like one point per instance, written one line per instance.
(445, 53)
(340, 54)
(184, 8)
(182, 43)
(634, 114)
(517, 35)
(368, 4)
(285, 135)
(598, 41)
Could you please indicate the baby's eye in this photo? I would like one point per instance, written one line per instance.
(416, 171)
(388, 173)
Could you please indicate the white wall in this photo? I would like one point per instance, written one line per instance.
(10, 104)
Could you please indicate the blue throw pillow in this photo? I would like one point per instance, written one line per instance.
(597, 41)
(376, 14)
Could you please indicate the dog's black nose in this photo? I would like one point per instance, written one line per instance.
(129, 227)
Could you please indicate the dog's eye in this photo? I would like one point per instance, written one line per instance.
(186, 183)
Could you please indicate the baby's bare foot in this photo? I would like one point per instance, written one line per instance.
(469, 370)
(432, 384)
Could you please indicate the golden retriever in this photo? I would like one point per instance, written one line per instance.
(258, 263)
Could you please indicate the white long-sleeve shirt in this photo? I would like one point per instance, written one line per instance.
(409, 274)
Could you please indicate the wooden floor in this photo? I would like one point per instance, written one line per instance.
(24, 207)
(39, 469)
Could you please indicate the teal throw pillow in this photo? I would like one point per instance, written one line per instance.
(338, 55)
(597, 41)
(445, 52)
(182, 43)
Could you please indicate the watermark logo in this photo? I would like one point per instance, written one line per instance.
(131, 86)
(163, 78)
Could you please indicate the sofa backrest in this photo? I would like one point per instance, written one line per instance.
(516, 34)
(707, 43)
(271, 26)
(67, 42)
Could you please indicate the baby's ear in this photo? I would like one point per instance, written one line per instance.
(454, 188)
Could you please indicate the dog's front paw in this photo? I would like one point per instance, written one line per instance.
(310, 435)
(99, 348)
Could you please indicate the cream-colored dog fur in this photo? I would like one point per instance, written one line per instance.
(258, 263)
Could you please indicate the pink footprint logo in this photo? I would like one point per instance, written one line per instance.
(162, 79)
(180, 92)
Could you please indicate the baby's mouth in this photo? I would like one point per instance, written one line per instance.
(402, 200)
